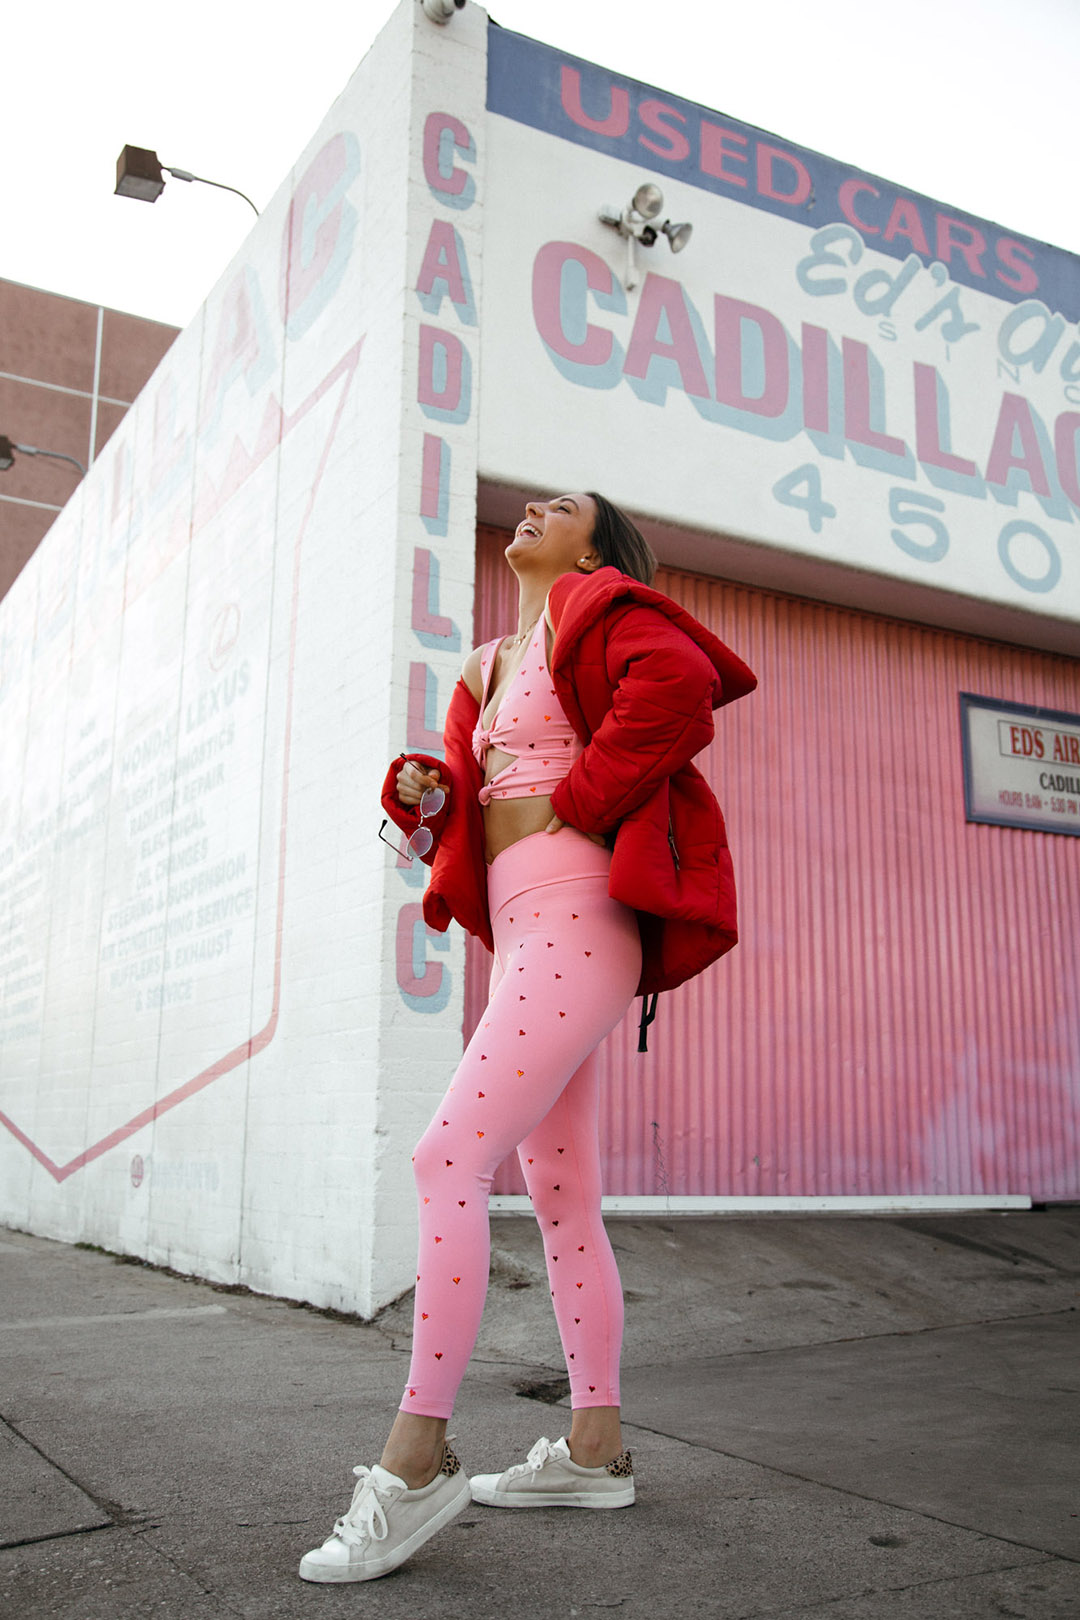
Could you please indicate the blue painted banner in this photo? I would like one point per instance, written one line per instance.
(578, 101)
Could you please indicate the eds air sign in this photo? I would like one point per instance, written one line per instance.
(1021, 765)
(833, 367)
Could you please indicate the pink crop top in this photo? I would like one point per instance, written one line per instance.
(530, 723)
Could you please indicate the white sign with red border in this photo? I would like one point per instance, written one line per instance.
(1021, 765)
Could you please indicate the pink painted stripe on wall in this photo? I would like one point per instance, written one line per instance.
(902, 1013)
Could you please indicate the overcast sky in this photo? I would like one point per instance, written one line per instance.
(969, 101)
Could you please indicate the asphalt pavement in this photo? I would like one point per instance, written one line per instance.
(832, 1418)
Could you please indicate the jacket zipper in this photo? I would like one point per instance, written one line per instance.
(671, 843)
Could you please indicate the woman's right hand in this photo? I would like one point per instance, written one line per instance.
(413, 782)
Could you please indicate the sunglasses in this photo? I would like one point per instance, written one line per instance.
(431, 802)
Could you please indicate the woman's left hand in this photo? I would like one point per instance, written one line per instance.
(555, 825)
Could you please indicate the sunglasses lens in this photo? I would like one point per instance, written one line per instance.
(423, 838)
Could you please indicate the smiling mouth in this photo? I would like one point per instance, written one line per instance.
(528, 527)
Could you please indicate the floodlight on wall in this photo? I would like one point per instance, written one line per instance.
(635, 222)
(141, 174)
(441, 11)
(677, 235)
(8, 451)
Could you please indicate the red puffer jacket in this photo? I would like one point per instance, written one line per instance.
(639, 678)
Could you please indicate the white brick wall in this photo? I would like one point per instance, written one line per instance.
(203, 673)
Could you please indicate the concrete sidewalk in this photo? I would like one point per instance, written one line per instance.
(841, 1418)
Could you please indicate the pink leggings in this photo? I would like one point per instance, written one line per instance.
(567, 963)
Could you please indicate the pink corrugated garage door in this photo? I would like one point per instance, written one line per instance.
(902, 1013)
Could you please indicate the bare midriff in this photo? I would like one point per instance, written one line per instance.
(508, 820)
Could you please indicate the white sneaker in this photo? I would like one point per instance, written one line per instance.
(550, 1478)
(386, 1523)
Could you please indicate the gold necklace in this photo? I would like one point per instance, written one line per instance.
(515, 641)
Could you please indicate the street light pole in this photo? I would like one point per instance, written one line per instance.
(8, 449)
(182, 174)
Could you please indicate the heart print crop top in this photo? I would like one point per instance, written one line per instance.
(530, 723)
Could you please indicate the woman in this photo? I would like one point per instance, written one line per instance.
(569, 831)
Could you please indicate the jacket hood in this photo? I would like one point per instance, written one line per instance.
(577, 601)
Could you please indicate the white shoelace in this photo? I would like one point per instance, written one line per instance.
(542, 1452)
(365, 1519)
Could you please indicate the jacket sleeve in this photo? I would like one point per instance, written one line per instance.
(460, 718)
(407, 816)
(664, 689)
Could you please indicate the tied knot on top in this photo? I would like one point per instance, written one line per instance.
(500, 785)
(481, 742)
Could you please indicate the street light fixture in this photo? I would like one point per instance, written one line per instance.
(140, 173)
(8, 450)
(635, 222)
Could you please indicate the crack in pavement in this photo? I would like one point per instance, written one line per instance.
(116, 1514)
(57, 1535)
(207, 1591)
(847, 1490)
(107, 1318)
(871, 1338)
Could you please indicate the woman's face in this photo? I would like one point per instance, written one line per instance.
(555, 536)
